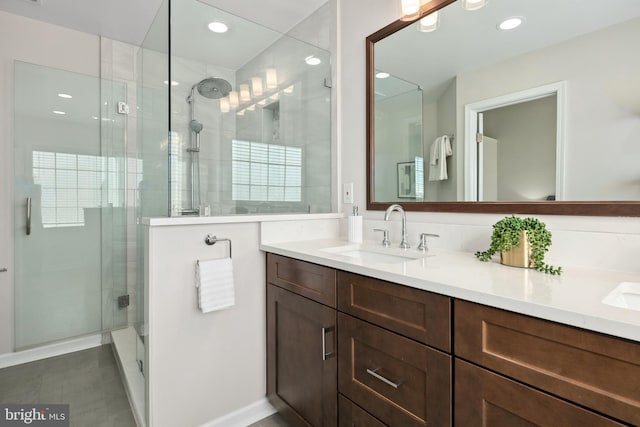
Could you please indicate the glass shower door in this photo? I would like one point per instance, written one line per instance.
(58, 181)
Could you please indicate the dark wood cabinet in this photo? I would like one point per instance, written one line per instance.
(590, 369)
(301, 358)
(485, 399)
(400, 381)
(349, 350)
(351, 415)
(422, 316)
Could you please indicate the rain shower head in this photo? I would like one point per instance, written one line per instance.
(213, 88)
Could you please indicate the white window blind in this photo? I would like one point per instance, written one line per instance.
(69, 183)
(266, 172)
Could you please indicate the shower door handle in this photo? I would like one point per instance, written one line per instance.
(3, 270)
(28, 216)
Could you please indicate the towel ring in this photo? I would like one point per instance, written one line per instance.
(211, 240)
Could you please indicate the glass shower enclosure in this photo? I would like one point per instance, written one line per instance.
(69, 196)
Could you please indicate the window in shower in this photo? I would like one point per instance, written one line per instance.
(69, 183)
(266, 172)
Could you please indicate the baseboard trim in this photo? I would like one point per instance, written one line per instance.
(244, 416)
(50, 350)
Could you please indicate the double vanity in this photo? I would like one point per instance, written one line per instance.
(366, 335)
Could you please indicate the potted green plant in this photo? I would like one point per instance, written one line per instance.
(521, 242)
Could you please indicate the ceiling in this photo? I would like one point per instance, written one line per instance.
(129, 20)
(467, 40)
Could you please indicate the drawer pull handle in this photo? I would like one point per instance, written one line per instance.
(325, 355)
(375, 374)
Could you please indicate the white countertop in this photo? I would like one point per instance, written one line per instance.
(573, 298)
(234, 219)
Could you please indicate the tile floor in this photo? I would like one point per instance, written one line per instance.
(273, 421)
(87, 380)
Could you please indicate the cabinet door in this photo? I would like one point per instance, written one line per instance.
(590, 369)
(399, 381)
(304, 278)
(351, 415)
(420, 315)
(485, 399)
(301, 359)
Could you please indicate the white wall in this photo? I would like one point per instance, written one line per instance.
(204, 367)
(526, 135)
(592, 241)
(602, 125)
(30, 41)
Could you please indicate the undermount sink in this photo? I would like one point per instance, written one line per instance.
(374, 254)
(625, 295)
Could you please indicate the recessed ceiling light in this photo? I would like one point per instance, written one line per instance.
(218, 27)
(65, 95)
(59, 112)
(382, 75)
(312, 60)
(173, 82)
(510, 23)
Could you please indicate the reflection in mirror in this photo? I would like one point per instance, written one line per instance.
(398, 119)
(545, 113)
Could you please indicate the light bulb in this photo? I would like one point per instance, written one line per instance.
(233, 99)
(256, 86)
(272, 78)
(245, 95)
(224, 105)
(429, 23)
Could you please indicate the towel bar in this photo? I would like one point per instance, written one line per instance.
(211, 240)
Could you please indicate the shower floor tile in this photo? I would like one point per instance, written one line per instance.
(88, 380)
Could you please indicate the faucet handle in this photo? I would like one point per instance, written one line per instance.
(423, 241)
(385, 236)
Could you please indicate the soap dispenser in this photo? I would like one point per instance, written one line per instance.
(355, 227)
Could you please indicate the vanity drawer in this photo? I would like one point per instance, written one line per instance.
(399, 381)
(309, 280)
(351, 415)
(417, 314)
(487, 399)
(593, 370)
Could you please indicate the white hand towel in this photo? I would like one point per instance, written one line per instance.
(214, 280)
(440, 150)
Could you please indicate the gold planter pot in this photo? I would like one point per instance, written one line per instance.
(520, 256)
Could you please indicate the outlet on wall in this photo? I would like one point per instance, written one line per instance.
(347, 192)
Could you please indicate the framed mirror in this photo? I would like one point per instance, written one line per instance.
(542, 118)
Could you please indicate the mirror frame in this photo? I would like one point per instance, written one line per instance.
(587, 208)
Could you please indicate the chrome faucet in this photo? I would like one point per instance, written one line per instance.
(387, 214)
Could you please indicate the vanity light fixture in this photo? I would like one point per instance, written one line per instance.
(245, 95)
(312, 60)
(382, 75)
(510, 23)
(272, 78)
(429, 23)
(218, 27)
(65, 96)
(410, 9)
(474, 4)
(234, 101)
(256, 86)
(224, 105)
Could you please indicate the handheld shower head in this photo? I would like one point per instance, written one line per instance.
(195, 126)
